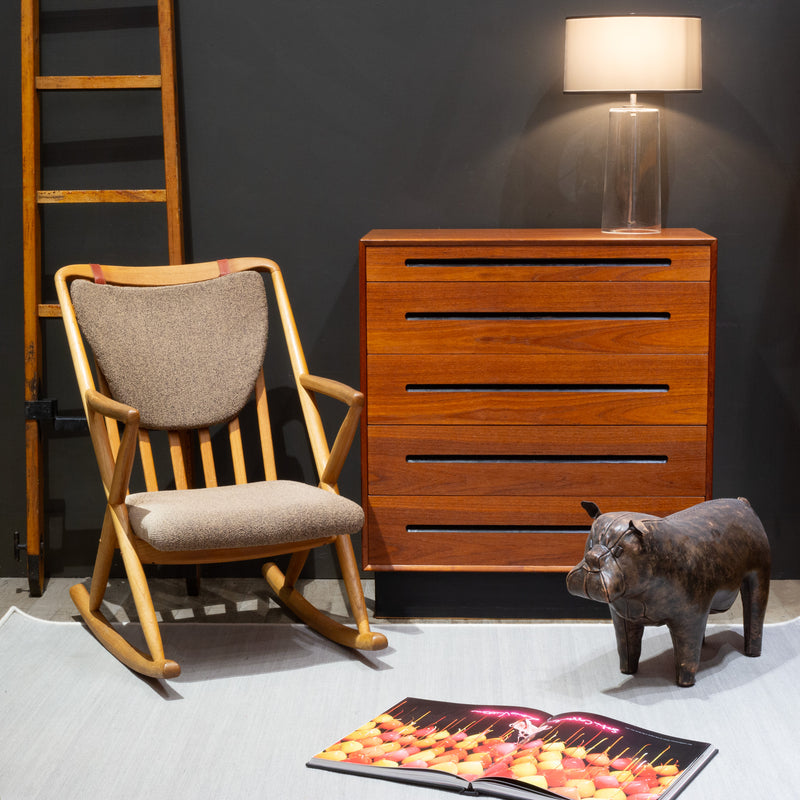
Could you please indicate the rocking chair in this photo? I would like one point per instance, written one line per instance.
(180, 349)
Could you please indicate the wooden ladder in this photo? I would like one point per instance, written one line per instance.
(40, 411)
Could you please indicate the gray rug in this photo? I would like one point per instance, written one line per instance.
(256, 701)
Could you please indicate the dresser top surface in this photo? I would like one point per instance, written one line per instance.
(521, 236)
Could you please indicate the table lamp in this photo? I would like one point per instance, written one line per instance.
(632, 54)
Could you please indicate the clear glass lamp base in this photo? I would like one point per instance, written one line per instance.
(632, 186)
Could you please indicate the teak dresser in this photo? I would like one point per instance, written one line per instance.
(510, 374)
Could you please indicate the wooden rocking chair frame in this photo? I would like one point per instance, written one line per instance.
(116, 452)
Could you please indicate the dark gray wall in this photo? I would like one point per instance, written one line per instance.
(307, 123)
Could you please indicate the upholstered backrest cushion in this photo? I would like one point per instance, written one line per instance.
(184, 356)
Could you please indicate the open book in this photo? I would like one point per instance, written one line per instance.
(505, 751)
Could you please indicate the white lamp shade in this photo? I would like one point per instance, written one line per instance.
(633, 54)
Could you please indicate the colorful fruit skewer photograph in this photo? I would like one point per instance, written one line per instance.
(572, 757)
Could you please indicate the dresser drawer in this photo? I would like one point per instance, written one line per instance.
(636, 261)
(525, 318)
(538, 389)
(533, 460)
(489, 533)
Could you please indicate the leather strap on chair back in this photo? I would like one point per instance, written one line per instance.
(185, 356)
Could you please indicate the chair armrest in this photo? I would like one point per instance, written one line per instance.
(109, 407)
(332, 463)
(115, 468)
(335, 389)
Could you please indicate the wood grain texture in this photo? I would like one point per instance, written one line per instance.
(170, 129)
(540, 261)
(529, 317)
(581, 389)
(505, 237)
(514, 371)
(49, 196)
(488, 533)
(533, 460)
(57, 82)
(31, 257)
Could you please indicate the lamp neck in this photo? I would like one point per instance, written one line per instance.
(633, 99)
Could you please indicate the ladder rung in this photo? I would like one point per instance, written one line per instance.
(102, 196)
(98, 82)
(49, 310)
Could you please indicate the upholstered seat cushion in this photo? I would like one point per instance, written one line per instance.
(247, 515)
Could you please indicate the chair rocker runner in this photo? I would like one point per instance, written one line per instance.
(180, 349)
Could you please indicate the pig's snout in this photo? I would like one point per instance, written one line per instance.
(576, 581)
(595, 559)
(597, 577)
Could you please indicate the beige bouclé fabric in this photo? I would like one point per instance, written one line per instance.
(184, 356)
(247, 515)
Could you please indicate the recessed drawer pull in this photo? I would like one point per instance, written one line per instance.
(537, 315)
(497, 528)
(537, 387)
(538, 262)
(525, 459)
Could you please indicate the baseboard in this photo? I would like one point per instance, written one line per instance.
(480, 595)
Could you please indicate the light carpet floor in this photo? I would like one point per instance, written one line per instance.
(254, 702)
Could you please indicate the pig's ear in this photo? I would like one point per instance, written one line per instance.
(591, 509)
(641, 526)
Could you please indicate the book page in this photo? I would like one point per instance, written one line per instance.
(580, 755)
(458, 739)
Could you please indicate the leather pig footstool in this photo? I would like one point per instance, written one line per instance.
(675, 571)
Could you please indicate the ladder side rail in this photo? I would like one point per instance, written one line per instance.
(169, 116)
(31, 259)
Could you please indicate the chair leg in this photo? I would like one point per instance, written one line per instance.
(193, 580)
(154, 665)
(361, 638)
(352, 583)
(102, 563)
(295, 567)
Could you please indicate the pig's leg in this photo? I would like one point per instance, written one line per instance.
(629, 642)
(687, 641)
(755, 593)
